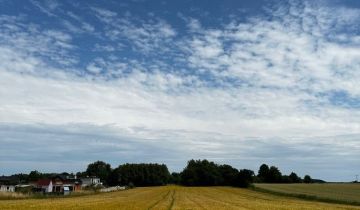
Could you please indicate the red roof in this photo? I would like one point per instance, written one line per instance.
(43, 182)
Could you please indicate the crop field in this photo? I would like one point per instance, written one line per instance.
(173, 197)
(349, 193)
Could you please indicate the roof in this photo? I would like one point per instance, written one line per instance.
(43, 182)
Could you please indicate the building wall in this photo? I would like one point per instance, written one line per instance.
(50, 187)
(7, 188)
(77, 187)
(90, 181)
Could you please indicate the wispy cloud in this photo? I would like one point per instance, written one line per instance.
(269, 87)
(46, 7)
(146, 36)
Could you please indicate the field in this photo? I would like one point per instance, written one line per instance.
(173, 197)
(346, 193)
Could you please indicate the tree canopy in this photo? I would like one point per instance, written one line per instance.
(99, 169)
(206, 173)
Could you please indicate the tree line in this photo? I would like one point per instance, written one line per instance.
(196, 173)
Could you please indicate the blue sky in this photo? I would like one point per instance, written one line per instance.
(236, 82)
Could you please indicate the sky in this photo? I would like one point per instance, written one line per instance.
(235, 82)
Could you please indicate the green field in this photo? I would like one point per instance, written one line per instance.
(346, 193)
(173, 197)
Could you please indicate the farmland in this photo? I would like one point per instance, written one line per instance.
(173, 197)
(346, 193)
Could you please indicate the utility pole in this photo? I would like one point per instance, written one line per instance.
(356, 178)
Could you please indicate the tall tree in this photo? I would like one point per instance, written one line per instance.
(294, 178)
(99, 169)
(274, 175)
(201, 173)
(143, 174)
(263, 172)
(244, 178)
(228, 174)
(307, 179)
(34, 176)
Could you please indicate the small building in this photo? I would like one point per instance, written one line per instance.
(90, 181)
(8, 183)
(44, 185)
(62, 184)
(7, 188)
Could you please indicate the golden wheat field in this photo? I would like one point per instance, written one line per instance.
(173, 197)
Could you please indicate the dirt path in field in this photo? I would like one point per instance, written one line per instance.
(152, 206)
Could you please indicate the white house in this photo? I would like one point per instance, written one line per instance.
(88, 181)
(7, 183)
(45, 185)
(7, 188)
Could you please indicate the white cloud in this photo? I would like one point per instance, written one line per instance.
(145, 36)
(31, 39)
(85, 26)
(243, 88)
(47, 6)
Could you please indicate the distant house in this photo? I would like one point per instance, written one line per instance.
(7, 188)
(90, 181)
(8, 183)
(44, 185)
(63, 184)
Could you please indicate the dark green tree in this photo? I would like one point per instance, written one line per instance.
(228, 174)
(175, 178)
(274, 175)
(99, 169)
(294, 178)
(114, 177)
(307, 179)
(34, 176)
(201, 173)
(244, 178)
(143, 174)
(263, 173)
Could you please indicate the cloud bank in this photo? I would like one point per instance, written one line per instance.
(280, 87)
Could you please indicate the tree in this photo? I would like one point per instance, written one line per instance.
(144, 174)
(228, 174)
(263, 173)
(244, 178)
(175, 178)
(34, 176)
(114, 177)
(99, 169)
(285, 179)
(307, 179)
(274, 175)
(206, 173)
(201, 173)
(81, 174)
(294, 178)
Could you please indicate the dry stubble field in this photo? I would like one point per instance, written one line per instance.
(173, 197)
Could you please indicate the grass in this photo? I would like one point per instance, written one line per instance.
(333, 193)
(173, 198)
(12, 195)
(16, 196)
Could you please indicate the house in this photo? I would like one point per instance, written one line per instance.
(63, 184)
(44, 185)
(90, 181)
(8, 183)
(7, 188)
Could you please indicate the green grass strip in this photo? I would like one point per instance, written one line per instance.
(305, 197)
